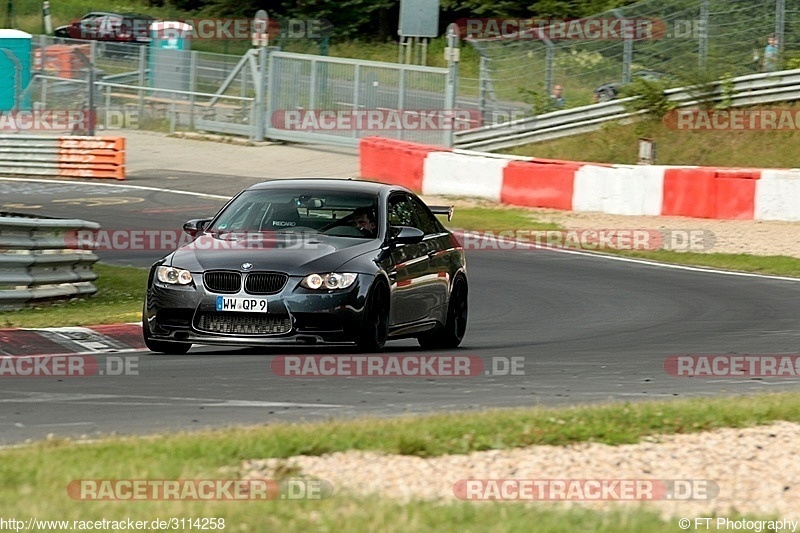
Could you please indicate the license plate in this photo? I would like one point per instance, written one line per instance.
(245, 305)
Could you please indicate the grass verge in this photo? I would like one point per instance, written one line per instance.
(36, 476)
(618, 143)
(120, 291)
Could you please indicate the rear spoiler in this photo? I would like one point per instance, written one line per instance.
(443, 210)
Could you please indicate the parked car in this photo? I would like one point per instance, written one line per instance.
(610, 91)
(109, 27)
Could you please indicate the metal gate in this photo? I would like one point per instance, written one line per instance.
(321, 99)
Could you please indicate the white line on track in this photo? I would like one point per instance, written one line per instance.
(121, 186)
(574, 252)
(132, 399)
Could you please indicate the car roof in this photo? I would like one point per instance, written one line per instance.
(328, 184)
(125, 14)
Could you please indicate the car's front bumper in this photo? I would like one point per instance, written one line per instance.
(293, 316)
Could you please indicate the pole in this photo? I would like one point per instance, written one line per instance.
(10, 14)
(702, 53)
(48, 22)
(92, 76)
(452, 82)
(780, 23)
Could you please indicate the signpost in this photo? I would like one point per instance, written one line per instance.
(419, 21)
(261, 29)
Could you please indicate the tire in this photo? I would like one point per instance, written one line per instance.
(172, 348)
(451, 335)
(375, 323)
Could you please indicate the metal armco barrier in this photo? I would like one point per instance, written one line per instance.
(63, 156)
(38, 264)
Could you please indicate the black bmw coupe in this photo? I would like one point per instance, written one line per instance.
(311, 261)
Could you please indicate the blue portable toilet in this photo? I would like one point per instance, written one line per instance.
(170, 55)
(15, 69)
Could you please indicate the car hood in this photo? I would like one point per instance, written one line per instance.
(294, 254)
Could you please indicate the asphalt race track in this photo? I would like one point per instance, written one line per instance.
(589, 329)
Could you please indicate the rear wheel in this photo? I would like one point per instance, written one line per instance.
(451, 335)
(375, 323)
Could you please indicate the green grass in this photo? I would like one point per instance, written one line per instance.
(618, 143)
(497, 219)
(776, 265)
(120, 291)
(36, 476)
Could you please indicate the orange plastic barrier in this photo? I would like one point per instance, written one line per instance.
(92, 157)
(61, 60)
(736, 193)
(392, 161)
(707, 192)
(690, 192)
(538, 185)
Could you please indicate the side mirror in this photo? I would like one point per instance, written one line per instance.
(407, 235)
(195, 226)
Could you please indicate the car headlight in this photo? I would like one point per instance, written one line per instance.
(328, 281)
(173, 276)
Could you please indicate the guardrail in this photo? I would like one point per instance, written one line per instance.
(64, 156)
(38, 262)
(747, 90)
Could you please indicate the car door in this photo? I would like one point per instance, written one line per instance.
(410, 265)
(438, 247)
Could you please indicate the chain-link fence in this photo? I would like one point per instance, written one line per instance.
(141, 87)
(688, 42)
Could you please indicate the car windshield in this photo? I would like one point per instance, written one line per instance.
(343, 214)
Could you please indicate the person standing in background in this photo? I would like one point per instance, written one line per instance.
(770, 61)
(556, 98)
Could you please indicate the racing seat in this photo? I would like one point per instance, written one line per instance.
(283, 217)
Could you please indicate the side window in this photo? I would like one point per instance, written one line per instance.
(427, 222)
(401, 212)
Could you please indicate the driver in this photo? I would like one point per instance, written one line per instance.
(364, 220)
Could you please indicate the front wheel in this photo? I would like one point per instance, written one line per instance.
(451, 335)
(375, 322)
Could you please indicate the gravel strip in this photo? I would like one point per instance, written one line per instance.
(757, 470)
